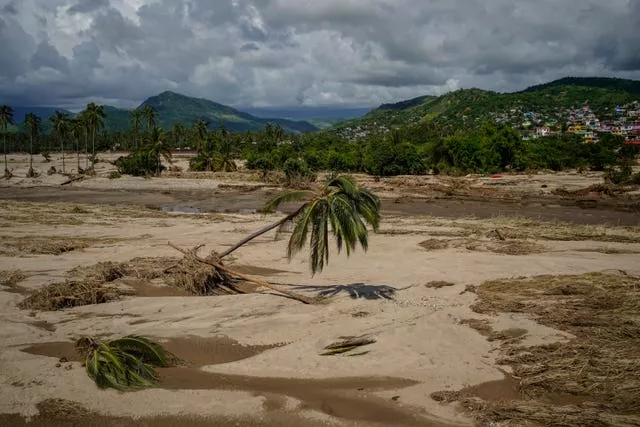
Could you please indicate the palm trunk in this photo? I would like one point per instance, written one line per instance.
(62, 151)
(93, 148)
(4, 149)
(78, 152)
(86, 149)
(31, 153)
(262, 231)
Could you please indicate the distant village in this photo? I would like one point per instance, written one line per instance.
(583, 121)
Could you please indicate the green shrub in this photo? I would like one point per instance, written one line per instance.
(138, 164)
(297, 172)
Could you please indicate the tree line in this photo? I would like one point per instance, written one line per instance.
(409, 150)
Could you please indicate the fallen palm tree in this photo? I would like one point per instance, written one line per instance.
(340, 205)
(220, 276)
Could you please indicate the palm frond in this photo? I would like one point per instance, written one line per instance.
(286, 197)
(299, 235)
(144, 349)
(368, 206)
(344, 184)
(124, 364)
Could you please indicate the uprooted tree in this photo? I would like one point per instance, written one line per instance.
(339, 206)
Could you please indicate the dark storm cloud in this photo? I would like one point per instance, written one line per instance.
(311, 52)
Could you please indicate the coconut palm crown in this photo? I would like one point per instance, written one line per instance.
(125, 363)
(340, 207)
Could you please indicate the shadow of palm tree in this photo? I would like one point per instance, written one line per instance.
(354, 290)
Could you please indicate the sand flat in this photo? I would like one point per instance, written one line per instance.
(421, 345)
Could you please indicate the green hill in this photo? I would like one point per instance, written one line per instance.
(176, 108)
(468, 108)
(172, 108)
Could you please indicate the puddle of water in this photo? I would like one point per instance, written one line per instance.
(493, 391)
(194, 351)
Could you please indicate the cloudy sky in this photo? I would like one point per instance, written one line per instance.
(304, 52)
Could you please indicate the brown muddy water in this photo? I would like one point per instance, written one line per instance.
(348, 399)
(606, 212)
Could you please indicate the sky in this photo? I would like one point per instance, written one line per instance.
(261, 53)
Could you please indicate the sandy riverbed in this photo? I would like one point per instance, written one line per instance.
(422, 344)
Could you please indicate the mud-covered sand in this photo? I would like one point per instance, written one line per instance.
(255, 359)
(567, 197)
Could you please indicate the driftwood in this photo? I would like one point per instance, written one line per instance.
(78, 178)
(347, 344)
(218, 265)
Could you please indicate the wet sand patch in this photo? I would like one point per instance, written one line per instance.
(64, 413)
(345, 398)
(257, 271)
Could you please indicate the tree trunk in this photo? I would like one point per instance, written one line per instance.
(86, 149)
(262, 231)
(62, 151)
(93, 148)
(78, 152)
(31, 152)
(4, 149)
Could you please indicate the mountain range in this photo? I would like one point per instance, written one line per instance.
(463, 108)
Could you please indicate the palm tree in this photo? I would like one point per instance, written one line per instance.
(136, 123)
(125, 363)
(159, 148)
(77, 130)
(340, 205)
(60, 122)
(149, 113)
(6, 119)
(178, 133)
(200, 127)
(32, 122)
(94, 116)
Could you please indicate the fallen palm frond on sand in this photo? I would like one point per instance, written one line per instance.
(593, 378)
(347, 344)
(125, 364)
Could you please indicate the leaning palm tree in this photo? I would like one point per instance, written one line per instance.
(6, 119)
(136, 123)
(32, 122)
(158, 147)
(60, 122)
(94, 116)
(339, 206)
(149, 113)
(124, 364)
